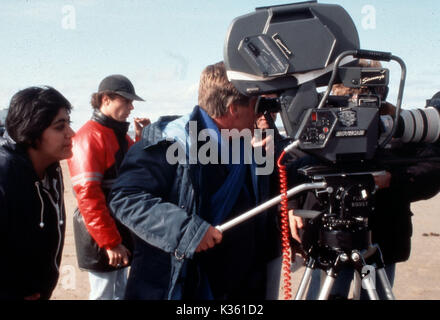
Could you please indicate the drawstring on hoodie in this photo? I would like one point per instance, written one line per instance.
(62, 195)
(37, 184)
(57, 206)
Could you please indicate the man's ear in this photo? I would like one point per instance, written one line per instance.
(105, 99)
(232, 109)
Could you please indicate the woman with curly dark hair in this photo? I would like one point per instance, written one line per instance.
(32, 214)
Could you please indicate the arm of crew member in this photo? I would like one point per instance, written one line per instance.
(212, 237)
(87, 172)
(139, 125)
(296, 224)
(424, 177)
(383, 180)
(141, 200)
(5, 229)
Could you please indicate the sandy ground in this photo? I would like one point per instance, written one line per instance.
(416, 279)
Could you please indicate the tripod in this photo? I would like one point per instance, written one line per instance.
(364, 274)
(341, 237)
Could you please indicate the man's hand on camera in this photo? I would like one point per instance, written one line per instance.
(35, 296)
(383, 181)
(212, 237)
(296, 223)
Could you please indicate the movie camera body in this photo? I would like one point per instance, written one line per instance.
(292, 50)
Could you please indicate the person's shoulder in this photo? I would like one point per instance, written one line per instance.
(156, 132)
(89, 126)
(5, 161)
(91, 130)
(8, 157)
(12, 166)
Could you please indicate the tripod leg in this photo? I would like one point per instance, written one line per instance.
(386, 284)
(327, 286)
(304, 283)
(371, 290)
(357, 286)
(332, 273)
(367, 273)
(383, 275)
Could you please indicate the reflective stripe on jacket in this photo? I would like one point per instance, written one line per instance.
(93, 169)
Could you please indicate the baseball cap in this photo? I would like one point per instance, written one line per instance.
(119, 84)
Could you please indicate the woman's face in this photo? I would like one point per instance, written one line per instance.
(55, 143)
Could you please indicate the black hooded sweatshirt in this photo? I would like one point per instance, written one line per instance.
(32, 228)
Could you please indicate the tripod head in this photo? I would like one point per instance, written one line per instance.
(346, 205)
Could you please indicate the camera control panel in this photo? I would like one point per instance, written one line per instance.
(316, 129)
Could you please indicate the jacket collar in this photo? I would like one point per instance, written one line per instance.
(8, 143)
(117, 126)
(154, 133)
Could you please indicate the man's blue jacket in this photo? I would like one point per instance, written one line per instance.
(160, 203)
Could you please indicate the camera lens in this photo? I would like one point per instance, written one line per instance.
(419, 125)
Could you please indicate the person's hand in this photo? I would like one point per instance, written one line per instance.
(267, 143)
(139, 124)
(212, 237)
(35, 296)
(118, 256)
(387, 109)
(295, 223)
(383, 180)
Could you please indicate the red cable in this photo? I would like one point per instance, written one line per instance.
(285, 240)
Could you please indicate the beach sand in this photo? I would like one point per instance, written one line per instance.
(416, 279)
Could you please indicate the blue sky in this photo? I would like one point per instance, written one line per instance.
(162, 46)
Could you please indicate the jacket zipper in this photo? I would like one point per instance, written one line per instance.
(58, 211)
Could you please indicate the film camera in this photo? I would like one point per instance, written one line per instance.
(292, 50)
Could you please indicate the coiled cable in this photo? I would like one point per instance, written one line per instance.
(285, 235)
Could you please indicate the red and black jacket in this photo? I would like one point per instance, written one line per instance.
(99, 147)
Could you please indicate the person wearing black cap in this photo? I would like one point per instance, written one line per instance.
(103, 245)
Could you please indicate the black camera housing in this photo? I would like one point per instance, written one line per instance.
(292, 50)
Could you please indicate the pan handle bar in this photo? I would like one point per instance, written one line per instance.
(266, 205)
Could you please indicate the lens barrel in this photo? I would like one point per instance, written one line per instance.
(419, 125)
